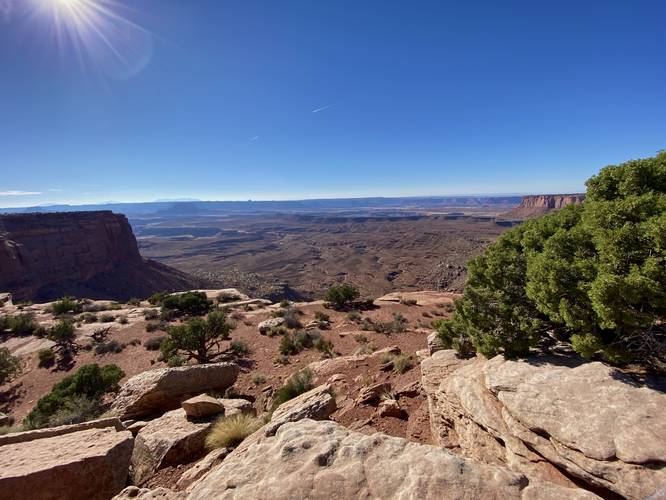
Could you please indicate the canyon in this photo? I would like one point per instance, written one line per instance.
(92, 254)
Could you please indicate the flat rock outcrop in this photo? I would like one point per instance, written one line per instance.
(85, 254)
(156, 391)
(89, 464)
(555, 418)
(322, 460)
(535, 205)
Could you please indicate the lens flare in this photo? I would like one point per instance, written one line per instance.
(98, 35)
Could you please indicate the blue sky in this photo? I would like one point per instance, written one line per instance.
(221, 99)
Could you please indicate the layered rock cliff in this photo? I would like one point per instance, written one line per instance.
(91, 254)
(535, 205)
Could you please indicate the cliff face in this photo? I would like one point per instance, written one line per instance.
(91, 254)
(535, 205)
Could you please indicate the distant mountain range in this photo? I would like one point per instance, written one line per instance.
(184, 208)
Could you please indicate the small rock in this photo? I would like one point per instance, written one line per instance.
(202, 406)
(234, 406)
(391, 408)
(268, 324)
(409, 391)
(372, 393)
(435, 343)
(135, 427)
(316, 404)
(5, 419)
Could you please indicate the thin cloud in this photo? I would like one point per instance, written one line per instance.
(6, 7)
(322, 108)
(19, 193)
(254, 138)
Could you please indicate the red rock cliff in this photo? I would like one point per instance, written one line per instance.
(535, 205)
(86, 254)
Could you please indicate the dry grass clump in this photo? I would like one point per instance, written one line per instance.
(229, 432)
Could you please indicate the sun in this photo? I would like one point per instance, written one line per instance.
(97, 34)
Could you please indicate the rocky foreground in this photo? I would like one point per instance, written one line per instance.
(543, 427)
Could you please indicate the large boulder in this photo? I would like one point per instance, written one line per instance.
(171, 439)
(88, 464)
(322, 460)
(316, 404)
(156, 391)
(556, 418)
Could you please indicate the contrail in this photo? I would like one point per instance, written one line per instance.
(321, 109)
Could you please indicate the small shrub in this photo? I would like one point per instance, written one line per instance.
(46, 358)
(10, 366)
(340, 296)
(135, 342)
(323, 345)
(151, 314)
(175, 361)
(322, 316)
(287, 345)
(354, 316)
(258, 378)
(134, 302)
(114, 306)
(122, 320)
(188, 303)
(281, 360)
(285, 303)
(112, 346)
(88, 317)
(66, 305)
(276, 331)
(360, 338)
(107, 318)
(91, 381)
(237, 315)
(398, 325)
(152, 327)
(154, 343)
(76, 409)
(408, 302)
(240, 348)
(295, 385)
(291, 318)
(402, 363)
(229, 432)
(19, 324)
(157, 298)
(367, 325)
(366, 349)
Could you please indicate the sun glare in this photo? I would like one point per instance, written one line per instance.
(98, 35)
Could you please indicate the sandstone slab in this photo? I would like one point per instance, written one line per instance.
(169, 440)
(323, 460)
(156, 391)
(555, 418)
(268, 324)
(88, 464)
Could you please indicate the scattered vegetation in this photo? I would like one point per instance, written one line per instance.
(408, 302)
(402, 363)
(592, 274)
(199, 339)
(239, 348)
(154, 343)
(46, 358)
(112, 346)
(107, 318)
(134, 302)
(89, 381)
(66, 305)
(294, 344)
(354, 316)
(229, 432)
(64, 336)
(88, 317)
(157, 298)
(151, 314)
(187, 304)
(19, 324)
(322, 316)
(10, 366)
(341, 296)
(295, 385)
(122, 320)
(258, 378)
